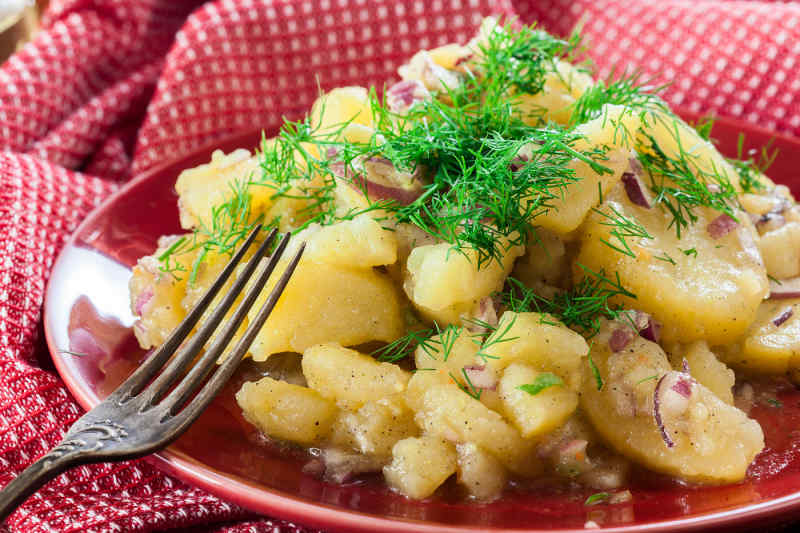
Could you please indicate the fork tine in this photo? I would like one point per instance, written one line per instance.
(192, 381)
(136, 381)
(228, 367)
(155, 391)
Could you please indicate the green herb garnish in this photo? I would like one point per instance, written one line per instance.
(543, 381)
(596, 498)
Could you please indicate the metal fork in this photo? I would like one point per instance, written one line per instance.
(143, 415)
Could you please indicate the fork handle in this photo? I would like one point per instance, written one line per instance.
(32, 478)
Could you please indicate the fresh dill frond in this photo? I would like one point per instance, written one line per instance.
(749, 169)
(543, 381)
(579, 308)
(622, 228)
(598, 379)
(467, 386)
(638, 97)
(681, 186)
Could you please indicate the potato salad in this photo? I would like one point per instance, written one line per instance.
(513, 271)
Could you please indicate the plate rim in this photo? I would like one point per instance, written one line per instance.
(251, 496)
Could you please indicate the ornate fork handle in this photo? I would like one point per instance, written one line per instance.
(82, 444)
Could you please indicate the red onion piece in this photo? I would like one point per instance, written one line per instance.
(671, 394)
(402, 95)
(142, 299)
(714, 188)
(341, 466)
(620, 338)
(636, 166)
(657, 413)
(789, 288)
(385, 192)
(481, 377)
(486, 313)
(721, 226)
(786, 315)
(770, 222)
(635, 190)
(652, 331)
(571, 458)
(683, 387)
(685, 366)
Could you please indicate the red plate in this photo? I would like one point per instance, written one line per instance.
(86, 311)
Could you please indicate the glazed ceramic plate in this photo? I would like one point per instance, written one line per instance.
(87, 312)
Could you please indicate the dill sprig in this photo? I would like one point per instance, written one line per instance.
(681, 186)
(749, 169)
(580, 308)
(629, 90)
(622, 228)
(229, 225)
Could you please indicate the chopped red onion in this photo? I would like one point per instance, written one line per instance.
(380, 191)
(620, 338)
(770, 222)
(789, 288)
(142, 299)
(714, 188)
(672, 394)
(331, 152)
(657, 413)
(721, 226)
(518, 162)
(685, 366)
(683, 387)
(786, 315)
(486, 314)
(640, 320)
(402, 95)
(571, 458)
(634, 190)
(652, 331)
(463, 59)
(635, 165)
(341, 466)
(481, 377)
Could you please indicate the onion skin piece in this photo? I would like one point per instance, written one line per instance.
(786, 315)
(480, 377)
(787, 289)
(620, 338)
(721, 226)
(635, 190)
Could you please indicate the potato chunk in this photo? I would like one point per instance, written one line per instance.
(420, 465)
(376, 426)
(449, 412)
(333, 110)
(357, 243)
(328, 303)
(286, 411)
(155, 296)
(440, 277)
(781, 251)
(480, 472)
(534, 414)
(205, 186)
(539, 341)
(578, 198)
(711, 293)
(349, 377)
(713, 442)
(772, 342)
(706, 368)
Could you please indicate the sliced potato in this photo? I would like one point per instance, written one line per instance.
(713, 442)
(351, 378)
(286, 411)
(539, 341)
(480, 472)
(328, 303)
(375, 427)
(534, 414)
(706, 368)
(712, 292)
(420, 465)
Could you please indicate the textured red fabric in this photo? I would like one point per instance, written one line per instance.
(111, 88)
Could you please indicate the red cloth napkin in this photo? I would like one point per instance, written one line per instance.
(111, 88)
